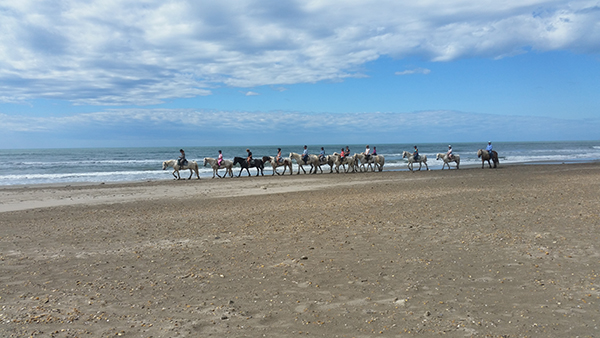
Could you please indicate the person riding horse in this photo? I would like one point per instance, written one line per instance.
(416, 154)
(220, 158)
(449, 153)
(181, 161)
(490, 151)
(305, 155)
(249, 158)
(278, 158)
(367, 153)
(322, 155)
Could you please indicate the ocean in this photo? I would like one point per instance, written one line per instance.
(96, 165)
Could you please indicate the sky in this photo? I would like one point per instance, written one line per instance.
(117, 73)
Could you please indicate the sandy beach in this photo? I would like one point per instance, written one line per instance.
(510, 252)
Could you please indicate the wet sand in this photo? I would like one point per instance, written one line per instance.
(471, 252)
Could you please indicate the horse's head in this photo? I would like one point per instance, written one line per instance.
(204, 162)
(165, 165)
(479, 152)
(266, 159)
(405, 154)
(438, 156)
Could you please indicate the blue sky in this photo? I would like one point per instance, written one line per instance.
(186, 73)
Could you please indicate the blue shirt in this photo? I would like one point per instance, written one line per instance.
(489, 147)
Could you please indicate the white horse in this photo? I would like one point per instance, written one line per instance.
(286, 163)
(191, 165)
(376, 160)
(422, 159)
(444, 157)
(349, 160)
(329, 160)
(225, 164)
(312, 161)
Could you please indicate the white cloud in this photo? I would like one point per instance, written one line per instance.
(141, 53)
(414, 71)
(251, 93)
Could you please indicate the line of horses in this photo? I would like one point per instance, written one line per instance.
(352, 163)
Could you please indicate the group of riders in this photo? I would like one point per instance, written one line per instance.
(181, 161)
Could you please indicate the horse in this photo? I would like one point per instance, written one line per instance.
(287, 163)
(329, 160)
(444, 157)
(225, 164)
(376, 160)
(422, 159)
(362, 158)
(312, 161)
(257, 163)
(349, 160)
(191, 165)
(485, 156)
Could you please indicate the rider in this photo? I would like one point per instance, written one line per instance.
(322, 155)
(374, 151)
(181, 161)
(489, 149)
(342, 155)
(449, 153)
(278, 158)
(220, 158)
(305, 154)
(367, 153)
(347, 152)
(249, 158)
(416, 154)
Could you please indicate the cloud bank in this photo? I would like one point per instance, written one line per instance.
(172, 127)
(143, 53)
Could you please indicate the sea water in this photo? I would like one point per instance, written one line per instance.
(95, 165)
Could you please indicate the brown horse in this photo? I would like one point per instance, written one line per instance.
(485, 156)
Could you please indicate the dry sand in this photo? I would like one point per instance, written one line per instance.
(508, 252)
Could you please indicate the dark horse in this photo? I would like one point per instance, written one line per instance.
(485, 156)
(257, 163)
